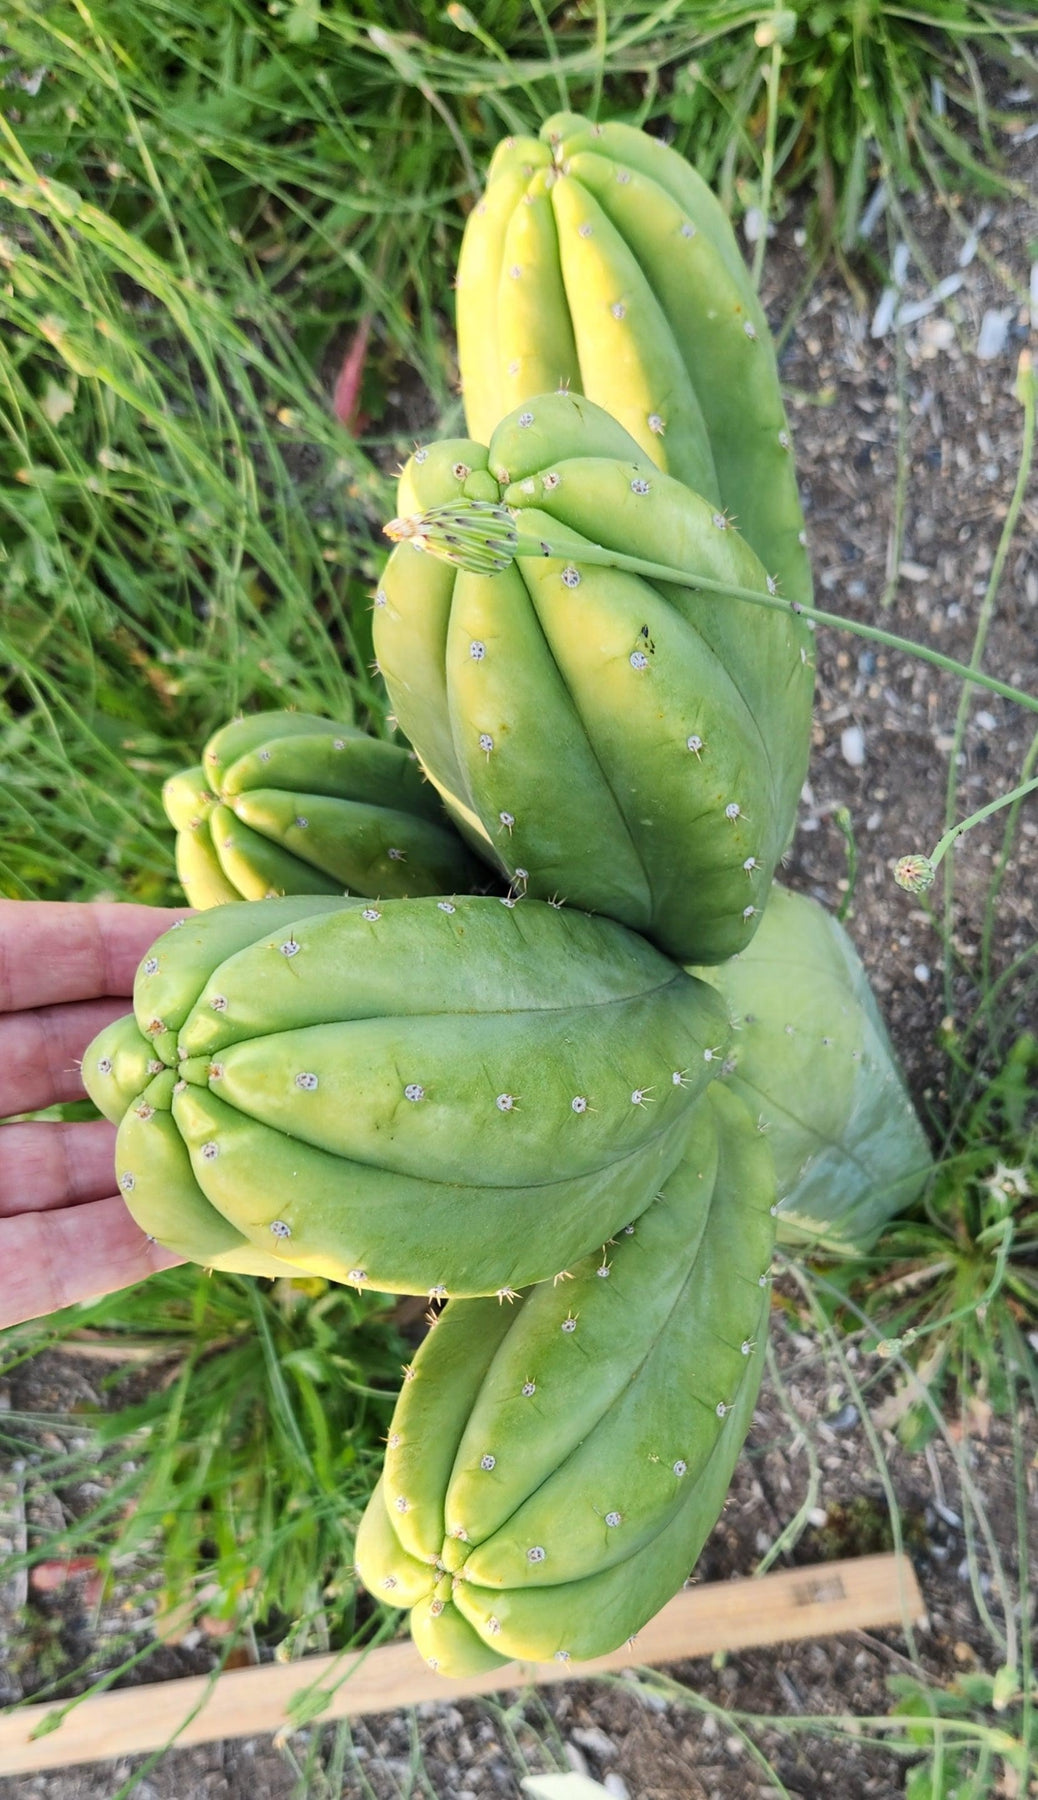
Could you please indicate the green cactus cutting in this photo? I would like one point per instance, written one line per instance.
(460, 1096)
(600, 261)
(288, 803)
(674, 720)
(554, 1467)
(812, 1060)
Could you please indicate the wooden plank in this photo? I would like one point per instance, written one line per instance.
(732, 1615)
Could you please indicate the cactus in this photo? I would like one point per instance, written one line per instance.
(286, 803)
(676, 720)
(812, 1060)
(459, 1095)
(553, 1468)
(598, 260)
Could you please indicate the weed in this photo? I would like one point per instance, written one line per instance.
(956, 1289)
(239, 1471)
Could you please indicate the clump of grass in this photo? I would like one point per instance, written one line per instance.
(955, 1290)
(235, 1478)
(830, 97)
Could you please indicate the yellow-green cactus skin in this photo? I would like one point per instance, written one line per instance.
(458, 1096)
(598, 260)
(554, 1466)
(811, 1058)
(672, 722)
(289, 803)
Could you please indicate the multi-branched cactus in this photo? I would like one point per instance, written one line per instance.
(458, 1096)
(811, 1058)
(599, 260)
(287, 803)
(554, 1467)
(635, 746)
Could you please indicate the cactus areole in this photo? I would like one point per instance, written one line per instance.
(288, 803)
(554, 1467)
(599, 261)
(672, 721)
(454, 1096)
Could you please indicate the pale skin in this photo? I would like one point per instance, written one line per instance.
(66, 970)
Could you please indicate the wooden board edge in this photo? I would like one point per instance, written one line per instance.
(783, 1607)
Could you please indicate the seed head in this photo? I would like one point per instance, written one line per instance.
(477, 535)
(915, 874)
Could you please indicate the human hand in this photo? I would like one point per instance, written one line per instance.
(66, 970)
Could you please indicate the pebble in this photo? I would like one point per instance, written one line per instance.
(994, 329)
(987, 721)
(616, 1785)
(852, 746)
(921, 972)
(590, 1737)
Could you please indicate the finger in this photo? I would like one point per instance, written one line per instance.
(40, 1052)
(52, 950)
(43, 1166)
(52, 1259)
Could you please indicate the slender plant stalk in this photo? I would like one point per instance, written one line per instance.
(1025, 391)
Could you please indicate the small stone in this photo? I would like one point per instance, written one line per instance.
(591, 1737)
(852, 746)
(994, 330)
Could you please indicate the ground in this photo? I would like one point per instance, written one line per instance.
(883, 732)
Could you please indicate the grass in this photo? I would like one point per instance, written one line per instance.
(237, 1471)
(200, 206)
